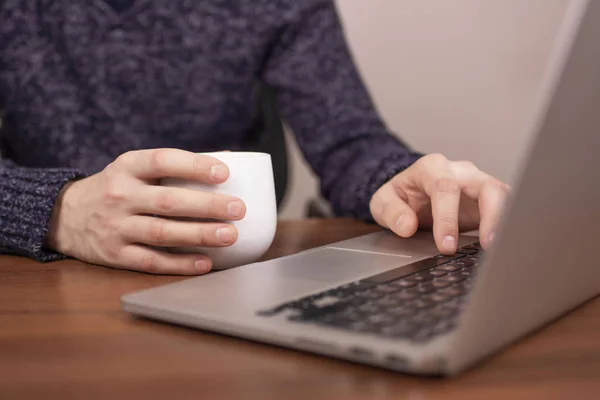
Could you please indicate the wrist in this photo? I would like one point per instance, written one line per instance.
(55, 237)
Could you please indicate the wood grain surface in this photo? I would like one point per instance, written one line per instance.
(63, 335)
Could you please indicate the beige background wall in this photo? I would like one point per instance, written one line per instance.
(456, 76)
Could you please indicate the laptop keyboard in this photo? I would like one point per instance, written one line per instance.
(415, 302)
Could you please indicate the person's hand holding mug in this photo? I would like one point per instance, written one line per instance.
(113, 217)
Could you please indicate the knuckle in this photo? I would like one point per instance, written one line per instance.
(116, 191)
(198, 166)
(214, 206)
(108, 224)
(447, 185)
(156, 231)
(123, 159)
(435, 158)
(447, 219)
(148, 263)
(498, 184)
(165, 201)
(467, 165)
(113, 252)
(201, 236)
(159, 160)
(385, 207)
(470, 165)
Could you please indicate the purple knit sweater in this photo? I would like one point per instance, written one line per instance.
(81, 83)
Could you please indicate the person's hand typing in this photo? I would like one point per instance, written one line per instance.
(111, 218)
(444, 195)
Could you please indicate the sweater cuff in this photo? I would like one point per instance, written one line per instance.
(27, 197)
(386, 170)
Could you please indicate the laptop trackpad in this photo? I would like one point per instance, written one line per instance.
(333, 265)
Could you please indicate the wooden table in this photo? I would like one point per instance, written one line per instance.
(63, 335)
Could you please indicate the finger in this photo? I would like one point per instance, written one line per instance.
(144, 259)
(444, 192)
(490, 193)
(170, 233)
(445, 202)
(174, 163)
(469, 178)
(492, 200)
(390, 211)
(181, 202)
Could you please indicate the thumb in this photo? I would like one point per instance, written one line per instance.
(390, 211)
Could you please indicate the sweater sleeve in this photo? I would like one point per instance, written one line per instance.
(27, 196)
(322, 97)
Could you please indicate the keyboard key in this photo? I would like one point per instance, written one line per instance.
(437, 273)
(416, 278)
(450, 291)
(462, 263)
(370, 295)
(408, 294)
(389, 301)
(368, 308)
(386, 288)
(471, 249)
(452, 278)
(474, 258)
(352, 313)
(425, 275)
(422, 303)
(443, 312)
(403, 311)
(404, 283)
(465, 251)
(424, 319)
(450, 267)
(439, 298)
(426, 287)
(404, 271)
(380, 320)
(439, 284)
(466, 272)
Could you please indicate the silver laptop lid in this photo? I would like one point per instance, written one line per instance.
(545, 259)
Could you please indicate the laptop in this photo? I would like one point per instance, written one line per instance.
(397, 303)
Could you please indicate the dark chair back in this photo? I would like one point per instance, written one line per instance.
(267, 135)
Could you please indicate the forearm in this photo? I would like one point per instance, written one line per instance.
(322, 96)
(27, 198)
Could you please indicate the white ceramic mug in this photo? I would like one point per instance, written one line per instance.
(251, 180)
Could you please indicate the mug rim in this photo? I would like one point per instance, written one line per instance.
(237, 155)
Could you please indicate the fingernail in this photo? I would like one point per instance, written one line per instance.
(234, 209)
(224, 235)
(202, 265)
(492, 236)
(400, 220)
(449, 243)
(218, 172)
